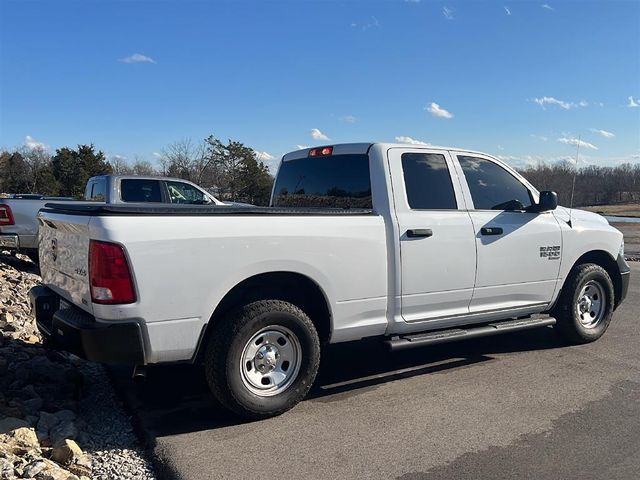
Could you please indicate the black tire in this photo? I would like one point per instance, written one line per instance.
(567, 311)
(33, 256)
(227, 343)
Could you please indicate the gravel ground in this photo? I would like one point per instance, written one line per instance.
(59, 415)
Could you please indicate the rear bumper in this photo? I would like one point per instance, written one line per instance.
(9, 240)
(73, 330)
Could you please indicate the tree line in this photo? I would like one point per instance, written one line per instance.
(594, 185)
(230, 171)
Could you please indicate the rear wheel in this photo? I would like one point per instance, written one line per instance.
(262, 359)
(33, 256)
(586, 305)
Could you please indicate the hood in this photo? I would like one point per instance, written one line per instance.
(580, 216)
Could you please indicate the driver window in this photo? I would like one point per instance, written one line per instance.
(184, 193)
(492, 187)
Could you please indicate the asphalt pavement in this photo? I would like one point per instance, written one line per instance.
(519, 406)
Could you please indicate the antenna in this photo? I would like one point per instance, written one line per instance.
(575, 174)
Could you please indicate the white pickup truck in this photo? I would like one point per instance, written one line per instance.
(414, 245)
(19, 227)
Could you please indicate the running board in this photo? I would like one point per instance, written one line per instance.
(443, 336)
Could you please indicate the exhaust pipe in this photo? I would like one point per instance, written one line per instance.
(139, 373)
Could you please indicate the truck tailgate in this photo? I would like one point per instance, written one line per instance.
(64, 256)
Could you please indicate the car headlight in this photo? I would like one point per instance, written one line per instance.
(621, 253)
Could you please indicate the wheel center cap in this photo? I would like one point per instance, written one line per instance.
(585, 304)
(266, 358)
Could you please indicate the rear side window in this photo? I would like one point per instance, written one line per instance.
(428, 182)
(98, 191)
(340, 181)
(139, 190)
(492, 187)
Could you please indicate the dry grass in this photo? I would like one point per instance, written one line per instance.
(622, 210)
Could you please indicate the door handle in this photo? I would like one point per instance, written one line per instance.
(491, 231)
(419, 232)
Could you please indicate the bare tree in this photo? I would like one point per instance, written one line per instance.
(143, 167)
(120, 165)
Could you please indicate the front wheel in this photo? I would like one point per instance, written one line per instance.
(262, 359)
(586, 305)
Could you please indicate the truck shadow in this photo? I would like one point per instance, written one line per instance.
(175, 399)
(20, 263)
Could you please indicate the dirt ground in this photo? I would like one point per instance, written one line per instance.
(623, 210)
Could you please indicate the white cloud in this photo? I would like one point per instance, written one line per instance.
(636, 156)
(118, 157)
(633, 103)
(264, 156)
(32, 144)
(137, 58)
(507, 10)
(412, 1)
(437, 111)
(302, 147)
(520, 161)
(602, 133)
(157, 154)
(576, 142)
(448, 13)
(540, 137)
(412, 141)
(542, 101)
(348, 119)
(366, 26)
(546, 6)
(318, 135)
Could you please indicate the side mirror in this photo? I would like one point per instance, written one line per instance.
(548, 201)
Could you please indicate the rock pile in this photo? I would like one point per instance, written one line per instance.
(59, 417)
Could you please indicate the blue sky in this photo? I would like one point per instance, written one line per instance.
(522, 80)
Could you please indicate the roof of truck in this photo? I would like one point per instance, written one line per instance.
(363, 147)
(140, 177)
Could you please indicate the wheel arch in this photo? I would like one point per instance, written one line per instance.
(606, 261)
(292, 287)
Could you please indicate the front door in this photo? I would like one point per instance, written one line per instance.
(437, 243)
(518, 251)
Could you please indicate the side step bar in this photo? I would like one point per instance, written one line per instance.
(443, 336)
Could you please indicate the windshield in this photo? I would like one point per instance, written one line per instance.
(340, 181)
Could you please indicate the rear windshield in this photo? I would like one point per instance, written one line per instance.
(139, 190)
(340, 181)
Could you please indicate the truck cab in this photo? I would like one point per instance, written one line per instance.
(115, 189)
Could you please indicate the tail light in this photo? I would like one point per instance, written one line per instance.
(111, 281)
(6, 216)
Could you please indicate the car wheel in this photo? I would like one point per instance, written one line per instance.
(586, 305)
(262, 359)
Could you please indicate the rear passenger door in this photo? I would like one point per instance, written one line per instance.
(437, 246)
(515, 268)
